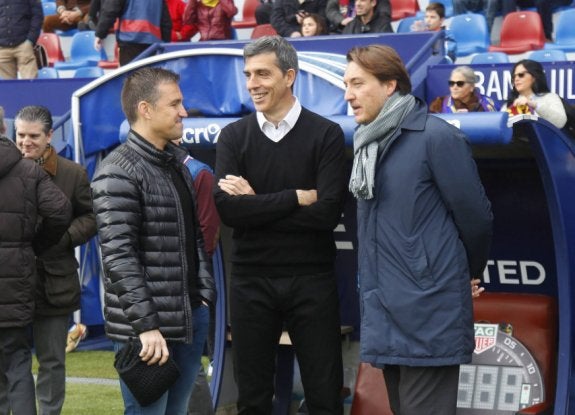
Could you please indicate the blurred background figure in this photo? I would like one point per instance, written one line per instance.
(313, 25)
(530, 94)
(20, 25)
(69, 14)
(463, 96)
(368, 19)
(58, 283)
(287, 15)
(181, 32)
(433, 20)
(213, 18)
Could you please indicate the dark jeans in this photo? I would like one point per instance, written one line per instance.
(544, 8)
(308, 307)
(422, 390)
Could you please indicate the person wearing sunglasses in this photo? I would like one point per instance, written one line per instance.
(463, 96)
(530, 94)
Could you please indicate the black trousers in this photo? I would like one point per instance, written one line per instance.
(422, 390)
(308, 307)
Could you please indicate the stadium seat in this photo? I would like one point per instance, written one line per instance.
(105, 64)
(263, 30)
(82, 52)
(49, 8)
(470, 33)
(564, 32)
(551, 55)
(403, 8)
(89, 72)
(490, 57)
(48, 73)
(404, 25)
(520, 32)
(248, 15)
(51, 43)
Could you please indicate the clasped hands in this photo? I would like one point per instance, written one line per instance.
(237, 185)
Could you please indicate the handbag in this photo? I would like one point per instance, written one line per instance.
(146, 382)
(40, 55)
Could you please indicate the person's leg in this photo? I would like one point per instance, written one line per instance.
(428, 390)
(26, 60)
(16, 366)
(256, 328)
(491, 10)
(129, 51)
(201, 399)
(391, 377)
(313, 322)
(544, 8)
(188, 358)
(50, 333)
(263, 13)
(8, 66)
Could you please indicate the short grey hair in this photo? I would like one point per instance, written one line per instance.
(286, 55)
(36, 113)
(467, 73)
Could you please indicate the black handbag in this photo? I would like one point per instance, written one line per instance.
(146, 382)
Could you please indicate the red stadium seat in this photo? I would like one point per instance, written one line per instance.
(263, 30)
(248, 15)
(51, 43)
(403, 8)
(520, 32)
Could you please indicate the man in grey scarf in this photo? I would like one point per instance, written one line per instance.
(424, 230)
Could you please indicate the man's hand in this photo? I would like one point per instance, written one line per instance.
(306, 197)
(97, 43)
(476, 290)
(154, 347)
(235, 185)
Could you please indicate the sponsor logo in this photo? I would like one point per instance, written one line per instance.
(485, 337)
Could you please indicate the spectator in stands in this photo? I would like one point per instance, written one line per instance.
(368, 19)
(141, 24)
(424, 229)
(490, 7)
(433, 21)
(34, 214)
(281, 186)
(2, 122)
(181, 32)
(93, 15)
(58, 284)
(68, 15)
(287, 15)
(212, 17)
(530, 94)
(544, 8)
(340, 12)
(463, 96)
(313, 25)
(20, 25)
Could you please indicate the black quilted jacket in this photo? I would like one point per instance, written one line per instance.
(141, 228)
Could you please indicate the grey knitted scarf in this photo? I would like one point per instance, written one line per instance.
(372, 140)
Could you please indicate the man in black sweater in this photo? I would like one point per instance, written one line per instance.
(281, 187)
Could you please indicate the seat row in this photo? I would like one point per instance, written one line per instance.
(521, 31)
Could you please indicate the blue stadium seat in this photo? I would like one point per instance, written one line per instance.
(49, 8)
(404, 25)
(89, 72)
(82, 52)
(490, 57)
(470, 32)
(564, 32)
(551, 55)
(48, 73)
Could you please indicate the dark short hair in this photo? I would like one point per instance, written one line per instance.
(36, 113)
(384, 63)
(286, 55)
(142, 85)
(539, 83)
(438, 8)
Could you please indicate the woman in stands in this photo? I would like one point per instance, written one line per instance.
(530, 94)
(463, 96)
(313, 25)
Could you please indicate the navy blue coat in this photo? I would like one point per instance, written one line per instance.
(20, 21)
(424, 234)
